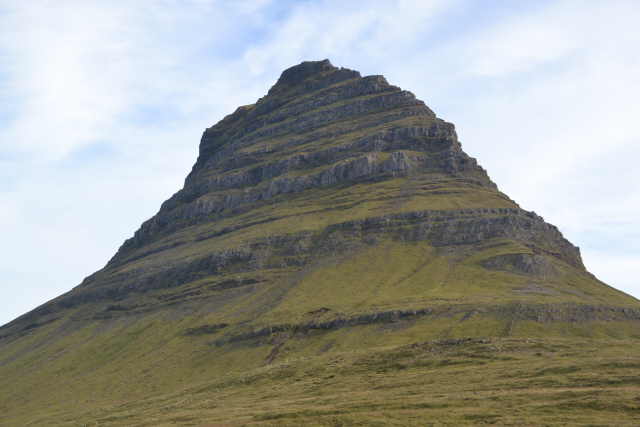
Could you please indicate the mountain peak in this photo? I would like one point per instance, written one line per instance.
(336, 214)
(297, 73)
(269, 171)
(310, 70)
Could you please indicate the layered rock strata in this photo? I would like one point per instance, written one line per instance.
(328, 164)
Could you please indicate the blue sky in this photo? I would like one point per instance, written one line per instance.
(104, 102)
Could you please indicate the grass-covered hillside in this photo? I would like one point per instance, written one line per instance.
(334, 258)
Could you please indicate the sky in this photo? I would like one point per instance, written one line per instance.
(103, 103)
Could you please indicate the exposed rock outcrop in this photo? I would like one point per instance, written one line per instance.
(327, 164)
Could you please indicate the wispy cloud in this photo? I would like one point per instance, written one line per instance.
(103, 104)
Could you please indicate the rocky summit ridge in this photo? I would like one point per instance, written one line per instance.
(334, 206)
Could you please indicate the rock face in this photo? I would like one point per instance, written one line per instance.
(335, 202)
(327, 163)
(318, 127)
(334, 162)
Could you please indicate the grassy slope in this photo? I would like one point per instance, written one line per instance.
(137, 367)
(147, 375)
(500, 381)
(142, 369)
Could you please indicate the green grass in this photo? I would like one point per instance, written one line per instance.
(503, 381)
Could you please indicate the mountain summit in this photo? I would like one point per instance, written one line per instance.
(336, 214)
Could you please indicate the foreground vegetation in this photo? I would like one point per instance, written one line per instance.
(453, 381)
(457, 382)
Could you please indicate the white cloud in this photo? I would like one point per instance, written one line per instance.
(619, 269)
(352, 36)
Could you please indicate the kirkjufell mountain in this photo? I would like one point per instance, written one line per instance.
(334, 258)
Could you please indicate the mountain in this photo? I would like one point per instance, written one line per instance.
(333, 229)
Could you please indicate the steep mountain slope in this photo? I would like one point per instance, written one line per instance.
(336, 214)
